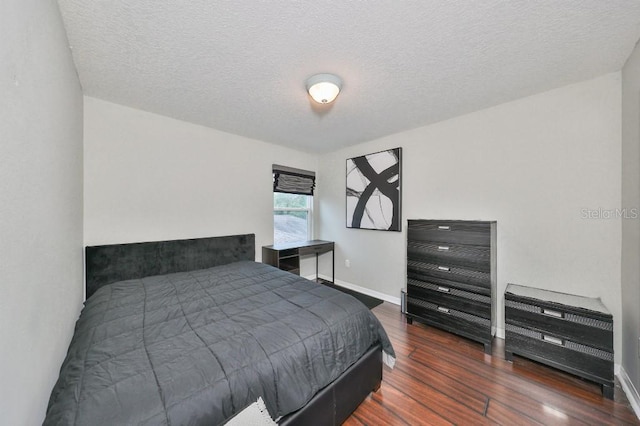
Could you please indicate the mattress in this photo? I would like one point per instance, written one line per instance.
(197, 347)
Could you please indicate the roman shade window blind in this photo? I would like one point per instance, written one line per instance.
(293, 181)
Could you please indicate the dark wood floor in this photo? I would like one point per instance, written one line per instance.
(440, 378)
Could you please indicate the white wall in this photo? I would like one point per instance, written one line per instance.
(40, 206)
(149, 177)
(631, 228)
(533, 165)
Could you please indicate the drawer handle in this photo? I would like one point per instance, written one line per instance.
(444, 268)
(444, 310)
(443, 289)
(551, 313)
(553, 340)
(443, 248)
(444, 227)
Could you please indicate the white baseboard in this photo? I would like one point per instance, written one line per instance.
(363, 290)
(629, 390)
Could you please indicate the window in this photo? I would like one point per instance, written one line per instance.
(291, 217)
(292, 201)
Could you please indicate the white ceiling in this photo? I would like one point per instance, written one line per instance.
(240, 66)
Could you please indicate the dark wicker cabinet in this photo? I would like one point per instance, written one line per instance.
(451, 277)
(571, 333)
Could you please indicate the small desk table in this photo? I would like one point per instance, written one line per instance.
(286, 256)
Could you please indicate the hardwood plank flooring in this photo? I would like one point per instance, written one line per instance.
(443, 379)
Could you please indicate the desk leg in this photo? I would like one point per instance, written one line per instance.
(316, 267)
(333, 266)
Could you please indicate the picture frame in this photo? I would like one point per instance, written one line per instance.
(374, 191)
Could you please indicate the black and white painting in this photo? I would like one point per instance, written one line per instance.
(373, 190)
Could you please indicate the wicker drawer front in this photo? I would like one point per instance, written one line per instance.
(464, 256)
(453, 232)
(447, 282)
(558, 321)
(452, 273)
(577, 358)
(451, 319)
(473, 303)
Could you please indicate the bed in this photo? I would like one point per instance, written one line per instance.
(193, 331)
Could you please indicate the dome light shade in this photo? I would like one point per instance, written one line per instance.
(324, 88)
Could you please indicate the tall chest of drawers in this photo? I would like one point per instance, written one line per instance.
(568, 332)
(451, 277)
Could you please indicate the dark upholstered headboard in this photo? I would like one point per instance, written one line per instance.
(117, 262)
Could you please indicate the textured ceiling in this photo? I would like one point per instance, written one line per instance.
(241, 66)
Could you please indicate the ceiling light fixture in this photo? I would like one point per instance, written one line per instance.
(324, 88)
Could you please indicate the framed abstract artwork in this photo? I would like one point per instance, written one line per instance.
(374, 191)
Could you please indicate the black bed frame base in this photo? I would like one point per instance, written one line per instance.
(343, 396)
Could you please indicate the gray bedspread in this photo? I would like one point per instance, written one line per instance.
(195, 347)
